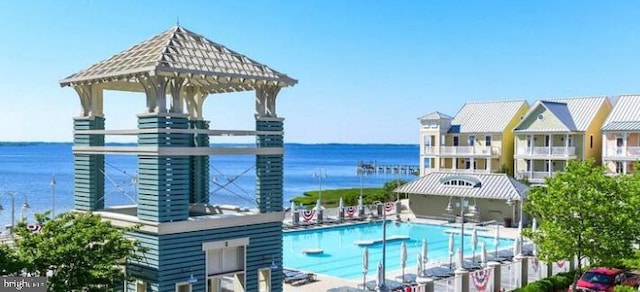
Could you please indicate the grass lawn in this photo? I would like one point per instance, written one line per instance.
(331, 198)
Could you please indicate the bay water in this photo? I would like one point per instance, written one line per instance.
(26, 170)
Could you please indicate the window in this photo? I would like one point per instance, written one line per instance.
(183, 287)
(472, 140)
(619, 167)
(456, 141)
(264, 280)
(141, 286)
(487, 140)
(528, 165)
(427, 162)
(570, 140)
(591, 141)
(540, 116)
(547, 140)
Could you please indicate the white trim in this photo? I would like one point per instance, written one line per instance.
(206, 246)
(176, 151)
(161, 228)
(133, 132)
(184, 283)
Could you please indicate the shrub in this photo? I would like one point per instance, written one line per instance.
(624, 289)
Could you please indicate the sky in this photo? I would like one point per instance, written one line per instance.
(366, 69)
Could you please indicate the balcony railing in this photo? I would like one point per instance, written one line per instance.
(463, 170)
(548, 151)
(469, 150)
(629, 152)
(535, 175)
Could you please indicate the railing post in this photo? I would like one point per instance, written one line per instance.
(524, 270)
(461, 280)
(497, 278)
(427, 283)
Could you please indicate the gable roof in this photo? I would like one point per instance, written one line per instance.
(576, 114)
(435, 116)
(491, 186)
(485, 117)
(179, 51)
(625, 115)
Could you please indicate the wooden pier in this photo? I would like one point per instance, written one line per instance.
(372, 167)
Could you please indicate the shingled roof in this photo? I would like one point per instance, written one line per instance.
(180, 52)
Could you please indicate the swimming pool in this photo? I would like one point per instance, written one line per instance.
(343, 258)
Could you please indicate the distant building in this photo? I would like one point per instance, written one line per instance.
(191, 244)
(621, 136)
(556, 131)
(479, 139)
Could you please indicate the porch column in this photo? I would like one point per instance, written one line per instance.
(624, 167)
(550, 143)
(472, 164)
(455, 163)
(269, 167)
(550, 167)
(624, 144)
(566, 145)
(488, 166)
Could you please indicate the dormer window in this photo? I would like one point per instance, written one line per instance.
(461, 181)
(540, 116)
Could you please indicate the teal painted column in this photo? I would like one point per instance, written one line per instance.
(88, 180)
(199, 165)
(269, 183)
(163, 181)
(269, 168)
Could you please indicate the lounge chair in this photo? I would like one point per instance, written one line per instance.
(308, 278)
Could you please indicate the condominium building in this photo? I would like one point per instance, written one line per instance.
(479, 139)
(621, 136)
(556, 131)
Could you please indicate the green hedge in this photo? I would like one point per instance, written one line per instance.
(624, 289)
(558, 282)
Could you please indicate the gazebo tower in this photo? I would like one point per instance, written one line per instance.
(191, 245)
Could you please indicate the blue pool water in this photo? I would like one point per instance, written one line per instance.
(342, 258)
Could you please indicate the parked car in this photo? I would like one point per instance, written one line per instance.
(605, 279)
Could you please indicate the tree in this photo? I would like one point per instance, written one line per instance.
(584, 213)
(10, 263)
(79, 249)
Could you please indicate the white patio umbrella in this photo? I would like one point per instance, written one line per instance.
(425, 258)
(534, 225)
(340, 205)
(459, 259)
(365, 266)
(318, 210)
(380, 275)
(483, 254)
(474, 243)
(516, 247)
(293, 211)
(403, 258)
(420, 267)
(318, 206)
(450, 249)
(496, 239)
(360, 204)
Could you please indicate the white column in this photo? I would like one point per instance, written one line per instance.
(471, 164)
(550, 166)
(624, 167)
(624, 144)
(488, 162)
(455, 163)
(523, 266)
(461, 280)
(550, 143)
(566, 145)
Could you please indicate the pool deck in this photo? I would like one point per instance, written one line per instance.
(325, 282)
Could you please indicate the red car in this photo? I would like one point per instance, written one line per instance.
(605, 279)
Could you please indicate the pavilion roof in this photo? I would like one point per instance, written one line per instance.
(179, 52)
